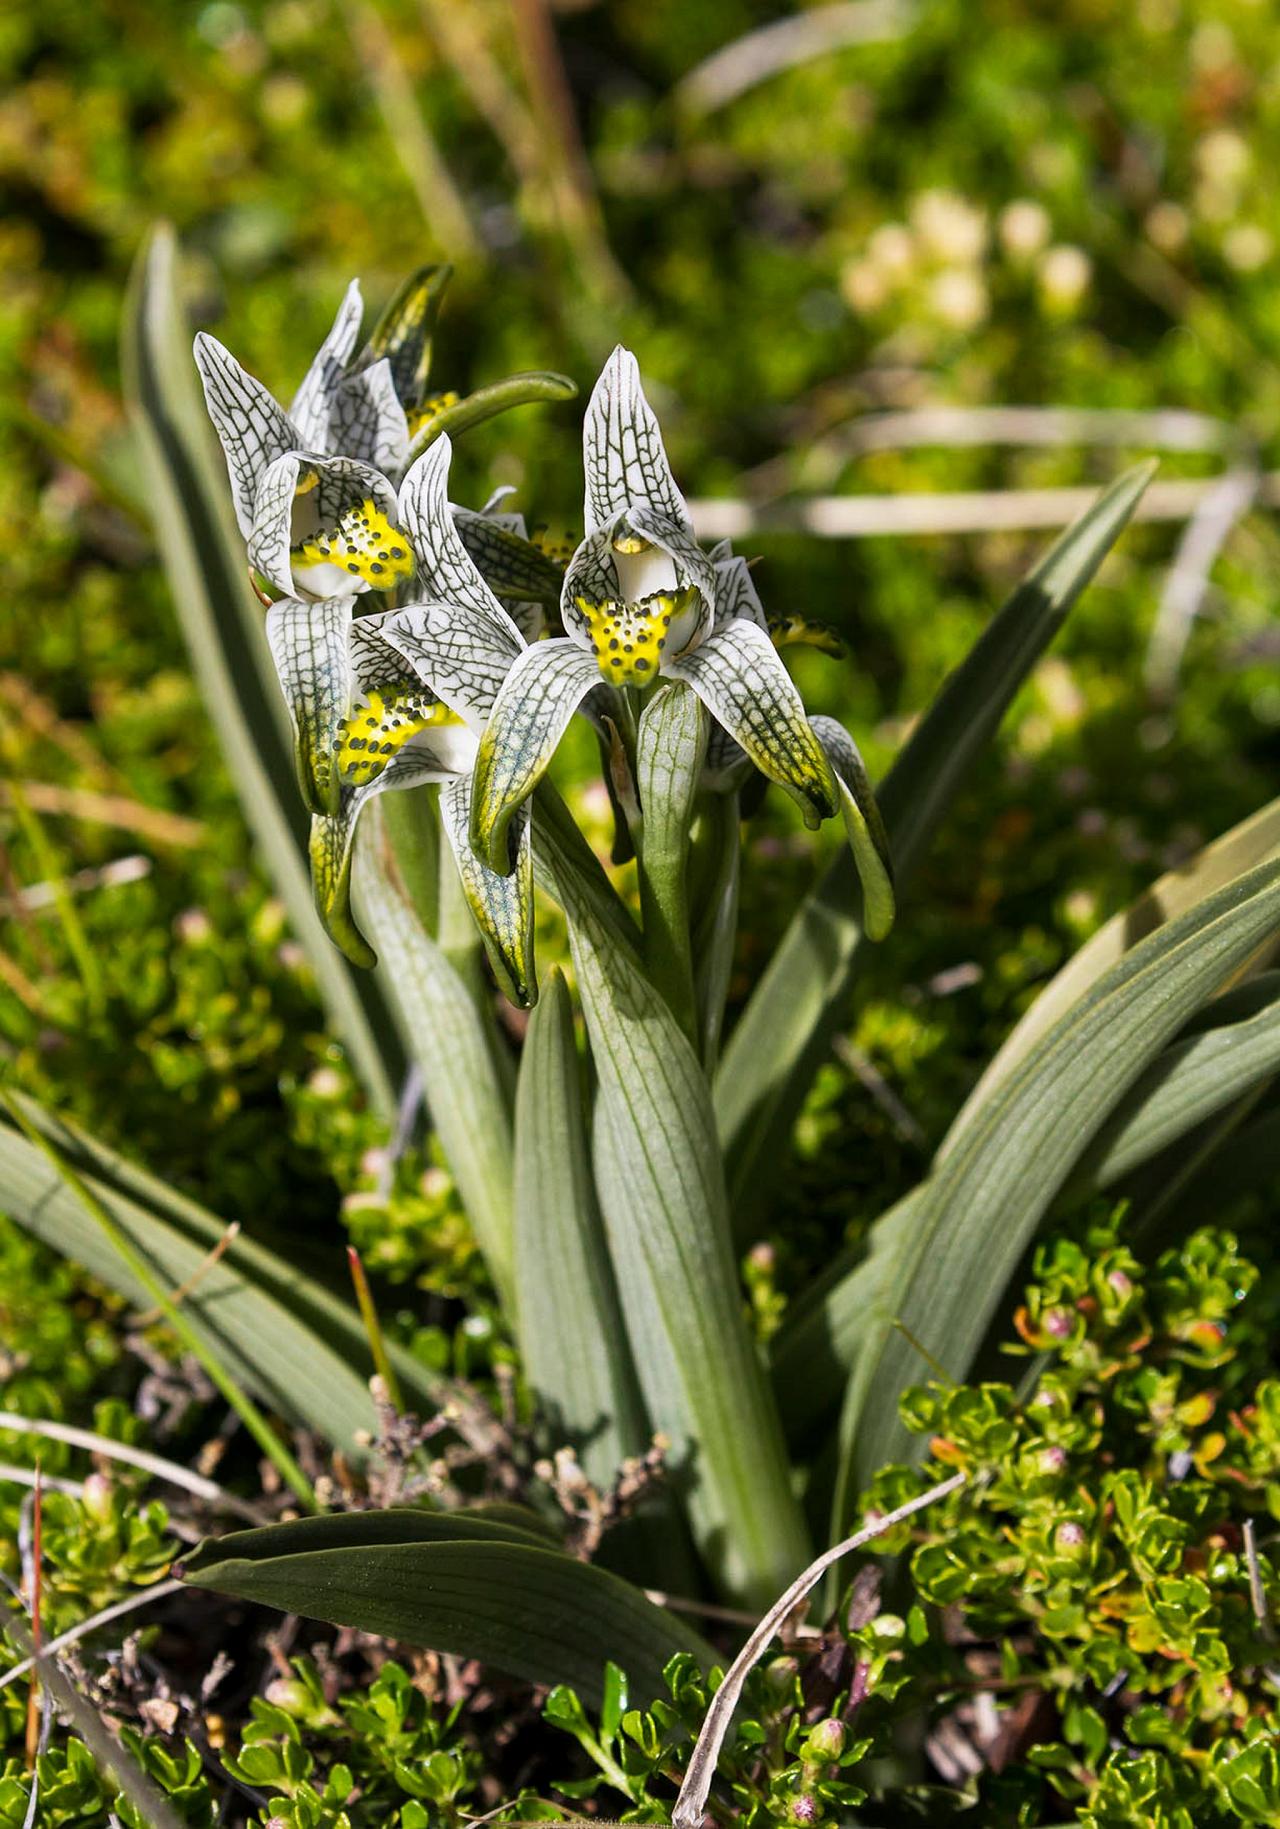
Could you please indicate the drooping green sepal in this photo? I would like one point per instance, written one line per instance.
(539, 695)
(738, 676)
(502, 906)
(868, 839)
(332, 836)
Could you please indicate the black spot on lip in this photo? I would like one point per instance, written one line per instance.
(353, 568)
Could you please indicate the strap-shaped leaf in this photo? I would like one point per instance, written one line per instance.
(1253, 841)
(313, 404)
(502, 906)
(450, 1036)
(533, 388)
(221, 623)
(623, 454)
(404, 332)
(738, 676)
(718, 847)
(785, 1031)
(868, 839)
(985, 1199)
(661, 1191)
(456, 1583)
(310, 644)
(539, 695)
(279, 1331)
(670, 744)
(572, 1341)
(252, 426)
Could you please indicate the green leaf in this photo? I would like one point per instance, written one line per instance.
(457, 1583)
(785, 1031)
(984, 1201)
(222, 624)
(1253, 841)
(661, 1191)
(670, 746)
(572, 1341)
(498, 397)
(278, 1331)
(451, 1038)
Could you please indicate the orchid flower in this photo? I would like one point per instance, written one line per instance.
(397, 699)
(642, 601)
(315, 487)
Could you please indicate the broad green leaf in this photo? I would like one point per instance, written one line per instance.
(661, 1191)
(498, 397)
(1252, 842)
(456, 1583)
(814, 1353)
(222, 624)
(785, 1031)
(670, 745)
(1191, 1081)
(451, 1038)
(279, 1331)
(572, 1342)
(982, 1205)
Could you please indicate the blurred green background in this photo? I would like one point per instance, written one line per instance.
(797, 218)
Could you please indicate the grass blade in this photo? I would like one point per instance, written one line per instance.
(222, 625)
(785, 1031)
(458, 1583)
(281, 1333)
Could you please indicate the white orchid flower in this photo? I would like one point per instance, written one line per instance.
(642, 601)
(396, 699)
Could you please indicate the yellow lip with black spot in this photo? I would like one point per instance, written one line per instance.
(630, 640)
(371, 736)
(363, 543)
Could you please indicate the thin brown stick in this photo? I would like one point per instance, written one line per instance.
(201, 1270)
(700, 1771)
(109, 810)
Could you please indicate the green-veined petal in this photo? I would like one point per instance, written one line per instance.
(312, 408)
(369, 423)
(502, 905)
(332, 841)
(446, 571)
(310, 645)
(540, 694)
(623, 453)
(510, 565)
(328, 524)
(404, 331)
(460, 656)
(739, 678)
(252, 425)
(736, 596)
(868, 839)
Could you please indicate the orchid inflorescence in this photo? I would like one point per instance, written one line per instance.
(454, 679)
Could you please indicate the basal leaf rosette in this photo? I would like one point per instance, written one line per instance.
(642, 601)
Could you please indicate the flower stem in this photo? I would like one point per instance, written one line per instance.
(669, 751)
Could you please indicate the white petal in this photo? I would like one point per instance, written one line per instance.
(252, 425)
(312, 408)
(623, 454)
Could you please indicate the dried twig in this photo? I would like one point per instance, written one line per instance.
(193, 1281)
(12, 1423)
(700, 1771)
(860, 517)
(781, 45)
(109, 810)
(74, 1634)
